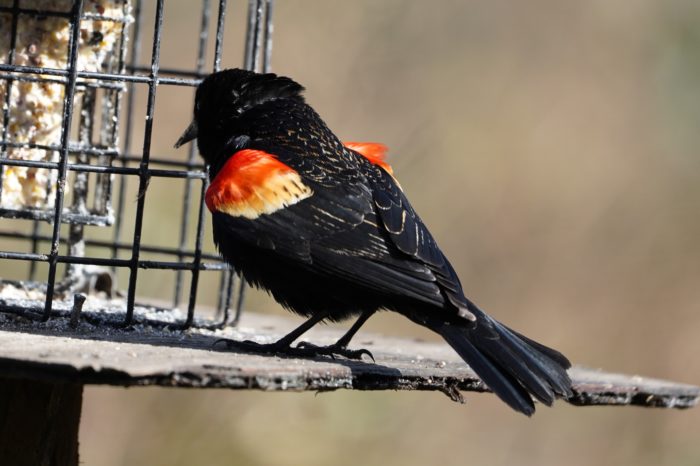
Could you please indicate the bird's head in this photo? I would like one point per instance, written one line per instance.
(221, 102)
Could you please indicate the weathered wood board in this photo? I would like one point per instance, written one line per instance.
(145, 355)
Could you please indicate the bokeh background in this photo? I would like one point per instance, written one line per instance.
(552, 148)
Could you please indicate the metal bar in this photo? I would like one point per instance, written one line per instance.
(221, 297)
(239, 304)
(72, 148)
(31, 78)
(110, 244)
(80, 167)
(102, 201)
(258, 35)
(47, 216)
(61, 14)
(69, 93)
(135, 78)
(103, 261)
(184, 220)
(269, 29)
(219, 45)
(35, 248)
(170, 71)
(249, 39)
(94, 152)
(253, 35)
(121, 194)
(197, 257)
(165, 162)
(109, 134)
(8, 88)
(76, 243)
(24, 256)
(144, 177)
(230, 283)
(144, 264)
(203, 37)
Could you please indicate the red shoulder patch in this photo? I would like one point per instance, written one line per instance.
(373, 151)
(253, 182)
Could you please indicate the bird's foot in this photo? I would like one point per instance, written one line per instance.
(249, 346)
(303, 350)
(333, 351)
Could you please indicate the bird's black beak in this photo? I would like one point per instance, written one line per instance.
(189, 134)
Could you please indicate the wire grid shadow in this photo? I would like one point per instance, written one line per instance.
(69, 74)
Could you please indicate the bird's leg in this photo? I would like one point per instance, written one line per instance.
(340, 347)
(281, 346)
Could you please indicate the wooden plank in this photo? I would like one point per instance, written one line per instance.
(145, 355)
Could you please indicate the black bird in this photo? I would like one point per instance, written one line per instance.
(327, 230)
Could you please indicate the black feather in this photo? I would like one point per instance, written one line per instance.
(504, 385)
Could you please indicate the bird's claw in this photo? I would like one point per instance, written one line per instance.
(334, 350)
(246, 346)
(303, 349)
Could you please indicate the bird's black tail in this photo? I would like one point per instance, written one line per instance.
(510, 364)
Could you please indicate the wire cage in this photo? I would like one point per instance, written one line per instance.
(69, 73)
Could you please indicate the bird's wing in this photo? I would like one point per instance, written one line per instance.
(410, 235)
(355, 223)
(278, 202)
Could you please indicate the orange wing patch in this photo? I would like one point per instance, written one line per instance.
(372, 151)
(252, 183)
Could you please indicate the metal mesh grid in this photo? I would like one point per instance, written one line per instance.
(92, 162)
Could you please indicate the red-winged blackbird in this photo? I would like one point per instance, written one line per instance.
(327, 230)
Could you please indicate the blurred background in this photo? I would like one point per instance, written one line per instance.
(551, 147)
